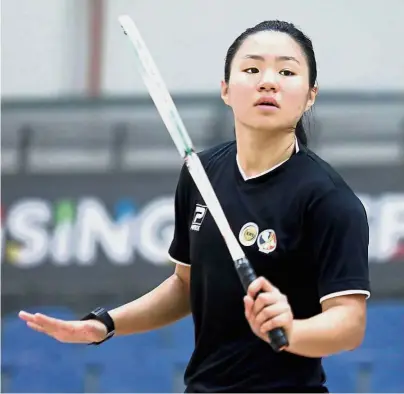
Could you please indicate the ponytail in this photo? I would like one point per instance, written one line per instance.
(301, 132)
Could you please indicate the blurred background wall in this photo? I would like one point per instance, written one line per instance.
(46, 46)
(89, 171)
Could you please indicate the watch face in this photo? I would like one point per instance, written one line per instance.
(99, 311)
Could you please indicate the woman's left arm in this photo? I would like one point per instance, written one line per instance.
(340, 327)
(337, 232)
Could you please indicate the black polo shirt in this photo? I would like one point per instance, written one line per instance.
(302, 228)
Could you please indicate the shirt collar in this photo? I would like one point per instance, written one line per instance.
(246, 178)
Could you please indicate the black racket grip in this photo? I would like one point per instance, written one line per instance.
(246, 273)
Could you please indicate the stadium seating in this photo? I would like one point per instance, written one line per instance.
(181, 344)
(62, 375)
(340, 374)
(155, 361)
(385, 327)
(378, 365)
(138, 374)
(37, 363)
(387, 375)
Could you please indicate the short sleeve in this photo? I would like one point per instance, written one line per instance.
(340, 239)
(178, 251)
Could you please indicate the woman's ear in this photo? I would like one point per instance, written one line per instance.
(224, 90)
(312, 96)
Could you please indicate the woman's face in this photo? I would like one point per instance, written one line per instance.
(269, 66)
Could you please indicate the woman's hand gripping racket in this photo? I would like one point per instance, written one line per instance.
(169, 113)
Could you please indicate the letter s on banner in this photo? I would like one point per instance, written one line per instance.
(26, 222)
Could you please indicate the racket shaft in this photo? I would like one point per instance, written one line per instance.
(157, 88)
(173, 122)
(204, 186)
(169, 113)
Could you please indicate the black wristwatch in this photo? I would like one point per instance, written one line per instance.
(102, 315)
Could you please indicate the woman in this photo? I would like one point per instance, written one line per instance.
(301, 226)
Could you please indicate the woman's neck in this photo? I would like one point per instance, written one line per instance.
(258, 151)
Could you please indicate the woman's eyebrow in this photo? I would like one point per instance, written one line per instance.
(278, 58)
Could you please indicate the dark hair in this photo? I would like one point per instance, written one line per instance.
(282, 27)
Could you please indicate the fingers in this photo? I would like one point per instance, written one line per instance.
(248, 306)
(36, 327)
(278, 321)
(264, 300)
(28, 317)
(270, 312)
(47, 324)
(63, 331)
(260, 284)
(37, 318)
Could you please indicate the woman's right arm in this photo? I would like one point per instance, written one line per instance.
(171, 300)
(165, 304)
(168, 302)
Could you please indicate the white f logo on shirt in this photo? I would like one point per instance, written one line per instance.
(199, 215)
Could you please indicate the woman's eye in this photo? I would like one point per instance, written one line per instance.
(252, 70)
(287, 73)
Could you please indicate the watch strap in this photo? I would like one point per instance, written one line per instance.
(102, 315)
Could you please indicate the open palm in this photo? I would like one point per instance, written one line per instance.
(74, 331)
